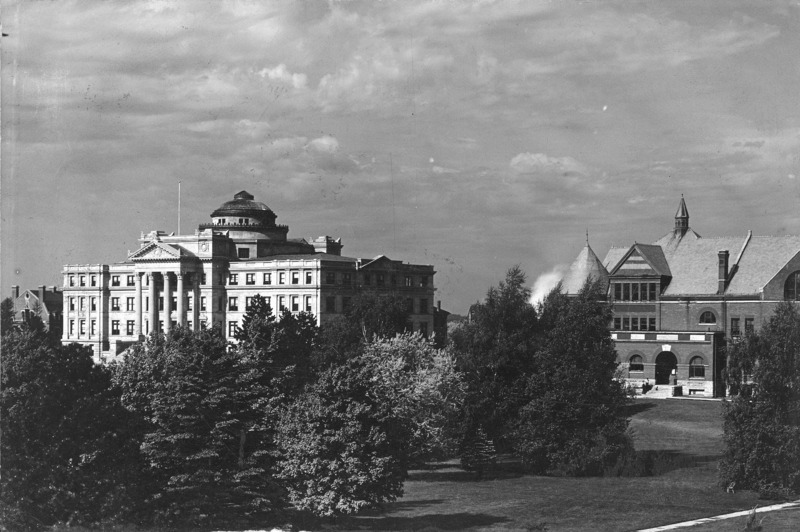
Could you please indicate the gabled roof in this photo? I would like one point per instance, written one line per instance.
(642, 260)
(672, 240)
(157, 250)
(378, 260)
(586, 265)
(613, 257)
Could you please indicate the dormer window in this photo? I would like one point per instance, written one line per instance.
(708, 318)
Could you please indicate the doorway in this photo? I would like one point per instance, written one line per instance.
(666, 361)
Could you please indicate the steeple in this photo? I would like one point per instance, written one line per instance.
(682, 218)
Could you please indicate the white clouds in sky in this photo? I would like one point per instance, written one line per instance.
(525, 163)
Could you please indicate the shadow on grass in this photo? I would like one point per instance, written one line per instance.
(637, 407)
(457, 521)
(656, 463)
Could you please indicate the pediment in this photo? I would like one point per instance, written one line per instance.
(379, 261)
(156, 251)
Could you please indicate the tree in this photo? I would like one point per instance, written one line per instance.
(6, 316)
(573, 418)
(495, 350)
(424, 387)
(205, 440)
(68, 453)
(342, 448)
(762, 419)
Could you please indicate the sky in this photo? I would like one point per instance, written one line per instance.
(470, 135)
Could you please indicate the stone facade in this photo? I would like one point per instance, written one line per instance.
(208, 279)
(679, 301)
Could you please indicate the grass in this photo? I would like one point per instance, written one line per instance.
(685, 436)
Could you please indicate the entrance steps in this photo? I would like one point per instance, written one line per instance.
(662, 391)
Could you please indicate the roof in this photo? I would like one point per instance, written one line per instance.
(694, 265)
(654, 255)
(586, 265)
(243, 204)
(761, 260)
(613, 257)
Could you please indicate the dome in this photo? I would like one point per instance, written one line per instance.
(243, 204)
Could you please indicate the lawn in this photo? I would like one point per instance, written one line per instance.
(685, 435)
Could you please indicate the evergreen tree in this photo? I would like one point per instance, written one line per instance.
(495, 351)
(573, 418)
(479, 453)
(6, 315)
(205, 438)
(69, 450)
(762, 419)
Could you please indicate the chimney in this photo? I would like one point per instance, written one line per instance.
(14, 292)
(723, 270)
(439, 304)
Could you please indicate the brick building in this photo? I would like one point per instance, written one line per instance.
(44, 302)
(209, 278)
(679, 300)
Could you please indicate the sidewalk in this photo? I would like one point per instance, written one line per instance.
(743, 513)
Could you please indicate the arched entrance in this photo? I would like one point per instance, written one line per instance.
(666, 361)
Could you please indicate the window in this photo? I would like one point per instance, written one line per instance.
(618, 291)
(635, 292)
(617, 324)
(233, 303)
(268, 300)
(696, 368)
(83, 280)
(652, 324)
(203, 303)
(131, 280)
(708, 318)
(114, 303)
(308, 304)
(115, 280)
(146, 304)
(735, 331)
(92, 327)
(233, 279)
(72, 303)
(748, 325)
(636, 363)
(626, 323)
(295, 303)
(634, 323)
(309, 277)
(175, 302)
(626, 292)
(379, 280)
(791, 290)
(423, 281)
(330, 304)
(281, 277)
(652, 291)
(129, 303)
(244, 253)
(330, 278)
(202, 278)
(409, 281)
(347, 279)
(93, 303)
(189, 302)
(72, 280)
(161, 303)
(423, 306)
(281, 303)
(115, 327)
(72, 327)
(267, 278)
(82, 304)
(250, 278)
(93, 280)
(295, 277)
(232, 327)
(129, 327)
(367, 279)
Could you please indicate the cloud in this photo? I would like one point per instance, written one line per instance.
(281, 73)
(525, 163)
(325, 144)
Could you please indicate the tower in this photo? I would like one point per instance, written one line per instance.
(681, 218)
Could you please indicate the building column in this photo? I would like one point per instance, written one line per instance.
(137, 305)
(167, 302)
(153, 311)
(181, 301)
(196, 303)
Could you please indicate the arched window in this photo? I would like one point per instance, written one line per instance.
(636, 363)
(696, 368)
(708, 318)
(791, 290)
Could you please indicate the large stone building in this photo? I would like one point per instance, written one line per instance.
(209, 278)
(679, 300)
